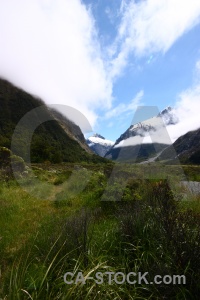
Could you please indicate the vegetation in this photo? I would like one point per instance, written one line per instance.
(154, 229)
(10, 162)
(50, 141)
(71, 211)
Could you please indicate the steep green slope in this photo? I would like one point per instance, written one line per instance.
(50, 140)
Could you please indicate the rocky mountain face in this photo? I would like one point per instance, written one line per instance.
(126, 148)
(56, 140)
(99, 145)
(186, 148)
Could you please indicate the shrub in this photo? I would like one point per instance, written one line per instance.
(5, 154)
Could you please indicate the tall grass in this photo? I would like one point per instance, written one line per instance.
(150, 230)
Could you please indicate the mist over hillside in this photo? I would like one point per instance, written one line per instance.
(56, 140)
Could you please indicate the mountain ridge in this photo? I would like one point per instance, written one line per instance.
(186, 149)
(54, 141)
(141, 129)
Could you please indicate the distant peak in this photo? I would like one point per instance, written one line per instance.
(98, 136)
(166, 110)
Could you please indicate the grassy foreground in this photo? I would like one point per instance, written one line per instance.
(154, 228)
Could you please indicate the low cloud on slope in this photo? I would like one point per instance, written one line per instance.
(188, 110)
(52, 48)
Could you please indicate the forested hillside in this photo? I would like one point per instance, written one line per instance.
(50, 141)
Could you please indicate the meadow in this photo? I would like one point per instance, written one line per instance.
(93, 218)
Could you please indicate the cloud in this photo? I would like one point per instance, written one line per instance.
(152, 130)
(151, 26)
(122, 108)
(186, 110)
(161, 136)
(51, 49)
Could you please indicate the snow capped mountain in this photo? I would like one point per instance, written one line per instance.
(99, 144)
(139, 134)
(152, 125)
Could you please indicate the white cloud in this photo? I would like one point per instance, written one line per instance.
(151, 26)
(161, 136)
(122, 108)
(50, 48)
(187, 109)
(159, 133)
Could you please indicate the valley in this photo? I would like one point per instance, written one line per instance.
(70, 210)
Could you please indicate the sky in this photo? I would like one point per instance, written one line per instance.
(105, 58)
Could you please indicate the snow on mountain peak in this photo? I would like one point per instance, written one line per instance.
(99, 144)
(152, 125)
(98, 139)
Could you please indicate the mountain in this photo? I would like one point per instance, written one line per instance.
(56, 140)
(129, 148)
(186, 148)
(71, 129)
(98, 144)
(168, 116)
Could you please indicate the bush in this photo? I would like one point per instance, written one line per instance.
(10, 163)
(157, 236)
(5, 154)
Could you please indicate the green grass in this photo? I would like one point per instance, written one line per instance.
(153, 229)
